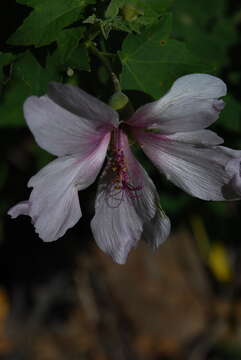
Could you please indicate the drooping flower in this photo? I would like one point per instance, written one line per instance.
(82, 131)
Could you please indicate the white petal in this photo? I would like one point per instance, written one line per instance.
(157, 230)
(120, 215)
(199, 137)
(59, 131)
(82, 104)
(54, 203)
(21, 208)
(207, 173)
(191, 104)
(233, 168)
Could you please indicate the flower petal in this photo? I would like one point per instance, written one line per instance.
(59, 131)
(157, 230)
(21, 208)
(54, 204)
(207, 173)
(233, 168)
(120, 215)
(199, 137)
(82, 104)
(191, 104)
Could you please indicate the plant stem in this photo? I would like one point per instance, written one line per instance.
(106, 63)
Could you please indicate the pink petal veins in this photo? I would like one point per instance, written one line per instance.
(126, 201)
(59, 131)
(82, 104)
(191, 104)
(199, 170)
(54, 204)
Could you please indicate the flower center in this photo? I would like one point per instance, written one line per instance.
(120, 185)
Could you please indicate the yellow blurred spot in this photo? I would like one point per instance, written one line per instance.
(162, 42)
(219, 263)
(201, 236)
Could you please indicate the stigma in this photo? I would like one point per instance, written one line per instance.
(120, 187)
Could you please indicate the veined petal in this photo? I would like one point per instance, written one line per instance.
(59, 131)
(125, 203)
(54, 204)
(233, 168)
(191, 104)
(209, 173)
(82, 104)
(157, 230)
(199, 137)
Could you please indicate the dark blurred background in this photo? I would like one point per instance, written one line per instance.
(68, 301)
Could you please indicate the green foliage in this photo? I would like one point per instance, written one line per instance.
(129, 16)
(174, 204)
(68, 41)
(152, 61)
(5, 59)
(47, 20)
(70, 53)
(153, 54)
(147, 12)
(208, 34)
(230, 117)
(28, 78)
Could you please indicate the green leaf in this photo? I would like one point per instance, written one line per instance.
(47, 20)
(78, 59)
(152, 61)
(131, 16)
(68, 41)
(230, 117)
(114, 7)
(150, 8)
(5, 59)
(28, 78)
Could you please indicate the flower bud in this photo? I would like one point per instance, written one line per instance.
(70, 72)
(118, 100)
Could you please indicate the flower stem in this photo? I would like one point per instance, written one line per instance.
(106, 63)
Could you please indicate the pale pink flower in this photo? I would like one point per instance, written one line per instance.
(81, 130)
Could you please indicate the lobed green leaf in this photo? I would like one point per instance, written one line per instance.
(152, 60)
(47, 20)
